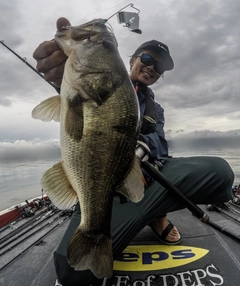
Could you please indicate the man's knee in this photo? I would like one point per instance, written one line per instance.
(217, 178)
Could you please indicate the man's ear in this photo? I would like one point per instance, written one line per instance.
(131, 62)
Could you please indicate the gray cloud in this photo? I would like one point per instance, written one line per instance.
(203, 38)
(10, 20)
(22, 150)
(205, 139)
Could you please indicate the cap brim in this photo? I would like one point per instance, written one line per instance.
(168, 61)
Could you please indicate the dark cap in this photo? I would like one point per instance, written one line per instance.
(160, 49)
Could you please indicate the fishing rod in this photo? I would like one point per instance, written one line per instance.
(231, 208)
(21, 212)
(233, 204)
(36, 217)
(36, 242)
(25, 61)
(25, 238)
(10, 222)
(16, 229)
(20, 229)
(222, 211)
(142, 153)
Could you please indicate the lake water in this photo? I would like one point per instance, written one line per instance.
(20, 179)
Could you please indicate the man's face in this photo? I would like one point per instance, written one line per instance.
(143, 73)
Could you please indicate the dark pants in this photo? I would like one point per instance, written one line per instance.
(203, 180)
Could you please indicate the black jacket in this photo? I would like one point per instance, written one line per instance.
(152, 122)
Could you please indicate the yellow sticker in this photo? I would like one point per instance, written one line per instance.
(156, 257)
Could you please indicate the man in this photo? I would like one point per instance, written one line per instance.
(201, 179)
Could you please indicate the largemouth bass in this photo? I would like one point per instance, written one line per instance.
(99, 127)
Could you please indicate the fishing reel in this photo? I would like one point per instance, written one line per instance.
(210, 207)
(236, 199)
(236, 194)
(142, 151)
(28, 212)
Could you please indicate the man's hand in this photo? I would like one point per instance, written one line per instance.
(50, 58)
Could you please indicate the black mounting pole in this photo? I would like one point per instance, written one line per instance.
(142, 152)
(196, 211)
(161, 179)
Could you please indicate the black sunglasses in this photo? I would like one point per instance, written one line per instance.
(148, 60)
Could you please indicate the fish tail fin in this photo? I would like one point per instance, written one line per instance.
(91, 252)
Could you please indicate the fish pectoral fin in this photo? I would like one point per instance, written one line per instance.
(57, 186)
(48, 110)
(133, 186)
(91, 252)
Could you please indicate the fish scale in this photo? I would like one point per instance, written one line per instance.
(99, 128)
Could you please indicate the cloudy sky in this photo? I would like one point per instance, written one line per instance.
(201, 96)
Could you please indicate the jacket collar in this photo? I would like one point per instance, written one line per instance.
(143, 88)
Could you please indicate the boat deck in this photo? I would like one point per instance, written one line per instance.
(205, 256)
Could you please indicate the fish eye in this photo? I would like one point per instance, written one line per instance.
(107, 44)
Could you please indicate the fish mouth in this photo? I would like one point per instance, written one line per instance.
(94, 31)
(63, 29)
(92, 27)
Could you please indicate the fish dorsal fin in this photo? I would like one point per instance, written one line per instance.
(48, 110)
(57, 186)
(133, 186)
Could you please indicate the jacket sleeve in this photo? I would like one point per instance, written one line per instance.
(156, 140)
